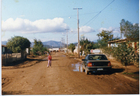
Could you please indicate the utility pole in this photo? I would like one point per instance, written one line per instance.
(78, 29)
(67, 39)
(67, 42)
(62, 44)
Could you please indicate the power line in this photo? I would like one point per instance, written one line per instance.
(99, 13)
(107, 5)
(76, 15)
(94, 17)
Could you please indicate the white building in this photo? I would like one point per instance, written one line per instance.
(54, 49)
(76, 49)
(63, 49)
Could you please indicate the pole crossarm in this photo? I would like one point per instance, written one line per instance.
(76, 8)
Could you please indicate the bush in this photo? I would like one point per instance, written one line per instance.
(123, 53)
(38, 48)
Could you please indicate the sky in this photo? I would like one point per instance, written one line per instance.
(47, 20)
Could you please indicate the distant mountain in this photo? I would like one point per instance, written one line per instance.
(4, 42)
(48, 44)
(52, 43)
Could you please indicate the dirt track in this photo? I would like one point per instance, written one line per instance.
(63, 78)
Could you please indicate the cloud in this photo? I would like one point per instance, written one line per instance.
(27, 26)
(86, 29)
(114, 30)
(22, 15)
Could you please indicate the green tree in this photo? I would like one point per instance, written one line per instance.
(71, 46)
(105, 35)
(18, 44)
(83, 44)
(102, 44)
(38, 48)
(87, 45)
(123, 53)
(130, 31)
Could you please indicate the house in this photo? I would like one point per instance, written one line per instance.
(95, 51)
(54, 49)
(4, 49)
(64, 49)
(76, 49)
(114, 43)
(131, 43)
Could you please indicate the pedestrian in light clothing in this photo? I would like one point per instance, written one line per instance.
(49, 60)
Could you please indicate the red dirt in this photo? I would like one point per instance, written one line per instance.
(61, 78)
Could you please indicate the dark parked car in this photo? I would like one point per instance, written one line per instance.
(96, 62)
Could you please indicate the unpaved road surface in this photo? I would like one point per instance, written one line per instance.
(64, 77)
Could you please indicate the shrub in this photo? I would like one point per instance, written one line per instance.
(123, 53)
(38, 48)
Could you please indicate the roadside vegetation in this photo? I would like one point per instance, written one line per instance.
(71, 47)
(87, 45)
(38, 48)
(126, 55)
(18, 44)
(123, 52)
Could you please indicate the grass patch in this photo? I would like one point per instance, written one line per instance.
(71, 54)
(128, 73)
(136, 77)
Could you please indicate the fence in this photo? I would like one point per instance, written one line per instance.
(8, 58)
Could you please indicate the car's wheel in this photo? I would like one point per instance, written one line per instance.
(86, 72)
(83, 70)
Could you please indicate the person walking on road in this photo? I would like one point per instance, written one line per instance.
(49, 60)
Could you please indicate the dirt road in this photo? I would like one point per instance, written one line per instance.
(64, 77)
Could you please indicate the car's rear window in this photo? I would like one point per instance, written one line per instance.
(97, 57)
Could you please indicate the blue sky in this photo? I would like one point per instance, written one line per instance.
(48, 19)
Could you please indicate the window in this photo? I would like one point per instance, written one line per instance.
(97, 57)
(86, 57)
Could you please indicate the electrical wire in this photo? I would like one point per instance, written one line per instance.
(95, 17)
(98, 13)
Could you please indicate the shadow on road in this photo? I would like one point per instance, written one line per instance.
(136, 72)
(12, 92)
(22, 62)
(16, 63)
(118, 70)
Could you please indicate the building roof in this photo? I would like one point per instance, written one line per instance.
(117, 41)
(4, 46)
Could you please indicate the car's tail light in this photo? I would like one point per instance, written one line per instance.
(89, 64)
(109, 63)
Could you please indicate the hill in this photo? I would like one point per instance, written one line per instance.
(48, 44)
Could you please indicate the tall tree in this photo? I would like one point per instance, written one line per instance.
(101, 43)
(130, 31)
(72, 47)
(105, 35)
(38, 47)
(122, 26)
(18, 44)
(87, 45)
